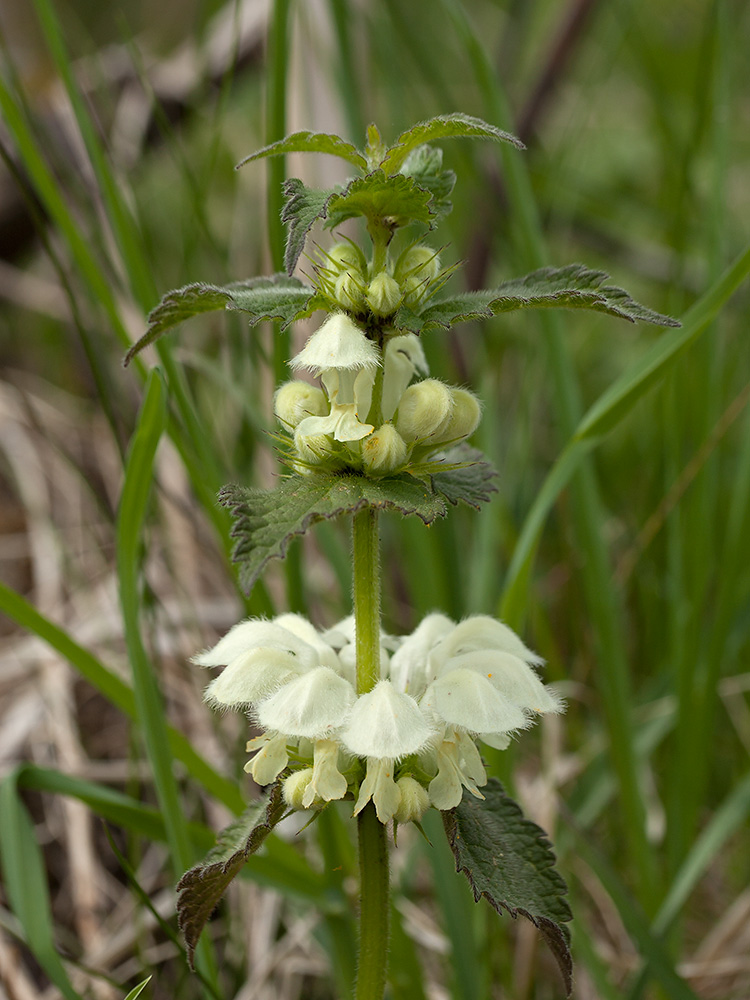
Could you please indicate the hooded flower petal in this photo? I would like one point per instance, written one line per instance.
(468, 699)
(474, 633)
(313, 706)
(514, 678)
(409, 662)
(339, 343)
(252, 634)
(381, 788)
(300, 626)
(385, 723)
(252, 676)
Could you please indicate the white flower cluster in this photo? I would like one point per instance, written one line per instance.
(407, 744)
(367, 416)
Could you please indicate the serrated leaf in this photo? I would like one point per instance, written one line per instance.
(425, 165)
(267, 520)
(310, 142)
(398, 199)
(200, 889)
(454, 126)
(303, 206)
(471, 482)
(278, 297)
(509, 860)
(571, 287)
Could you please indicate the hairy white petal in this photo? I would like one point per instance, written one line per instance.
(385, 723)
(313, 706)
(251, 634)
(339, 343)
(252, 676)
(408, 663)
(478, 632)
(300, 626)
(512, 677)
(468, 699)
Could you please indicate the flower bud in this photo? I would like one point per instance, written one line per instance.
(349, 290)
(346, 257)
(464, 418)
(295, 786)
(383, 294)
(414, 800)
(424, 409)
(384, 451)
(315, 449)
(420, 261)
(296, 400)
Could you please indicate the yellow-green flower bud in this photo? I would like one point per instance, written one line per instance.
(384, 294)
(424, 410)
(464, 419)
(296, 400)
(384, 451)
(315, 449)
(346, 257)
(420, 262)
(349, 290)
(295, 786)
(414, 803)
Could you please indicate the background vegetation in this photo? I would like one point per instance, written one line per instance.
(119, 137)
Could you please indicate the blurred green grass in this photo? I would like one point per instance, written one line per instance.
(638, 592)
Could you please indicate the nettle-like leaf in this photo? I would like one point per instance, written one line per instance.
(470, 481)
(425, 165)
(509, 860)
(454, 126)
(276, 298)
(267, 520)
(302, 208)
(310, 142)
(399, 200)
(200, 889)
(571, 287)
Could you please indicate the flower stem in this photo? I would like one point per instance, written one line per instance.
(373, 849)
(374, 905)
(367, 598)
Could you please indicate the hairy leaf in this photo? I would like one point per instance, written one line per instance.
(571, 287)
(201, 888)
(425, 165)
(266, 520)
(278, 297)
(310, 142)
(399, 200)
(455, 126)
(303, 206)
(509, 860)
(471, 482)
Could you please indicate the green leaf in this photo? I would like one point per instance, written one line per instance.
(455, 126)
(310, 142)
(137, 990)
(201, 888)
(471, 482)
(509, 860)
(302, 208)
(277, 297)
(425, 165)
(571, 287)
(397, 200)
(266, 520)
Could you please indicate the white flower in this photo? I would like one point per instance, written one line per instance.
(459, 765)
(467, 699)
(253, 676)
(338, 343)
(404, 357)
(313, 706)
(409, 663)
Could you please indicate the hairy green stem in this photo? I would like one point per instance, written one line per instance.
(373, 849)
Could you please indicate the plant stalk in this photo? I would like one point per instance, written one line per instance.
(373, 849)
